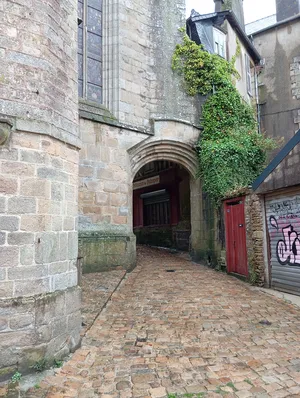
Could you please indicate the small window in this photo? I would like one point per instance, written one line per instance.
(248, 74)
(90, 50)
(220, 43)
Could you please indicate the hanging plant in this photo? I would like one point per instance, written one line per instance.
(231, 152)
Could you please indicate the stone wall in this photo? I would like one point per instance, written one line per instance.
(279, 80)
(138, 81)
(38, 245)
(39, 297)
(254, 218)
(109, 160)
(39, 327)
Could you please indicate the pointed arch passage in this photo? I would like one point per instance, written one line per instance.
(184, 155)
(173, 151)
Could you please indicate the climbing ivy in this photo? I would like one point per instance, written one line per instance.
(231, 152)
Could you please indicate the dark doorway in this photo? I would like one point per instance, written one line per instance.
(161, 205)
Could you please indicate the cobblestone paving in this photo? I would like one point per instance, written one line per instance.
(96, 290)
(189, 331)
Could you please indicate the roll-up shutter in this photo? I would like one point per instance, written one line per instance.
(283, 221)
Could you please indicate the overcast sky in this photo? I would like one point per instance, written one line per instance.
(254, 9)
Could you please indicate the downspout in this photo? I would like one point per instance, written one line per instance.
(257, 101)
(258, 116)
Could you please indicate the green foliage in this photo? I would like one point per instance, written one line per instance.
(39, 366)
(16, 377)
(57, 363)
(201, 71)
(231, 153)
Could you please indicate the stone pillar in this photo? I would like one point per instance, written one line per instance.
(39, 296)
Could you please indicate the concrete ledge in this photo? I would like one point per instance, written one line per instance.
(104, 252)
(40, 327)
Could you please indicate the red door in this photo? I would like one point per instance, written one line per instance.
(236, 249)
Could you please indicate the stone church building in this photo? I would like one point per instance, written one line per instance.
(97, 142)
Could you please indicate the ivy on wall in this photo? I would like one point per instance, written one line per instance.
(230, 150)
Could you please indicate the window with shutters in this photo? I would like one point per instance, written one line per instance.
(220, 43)
(90, 50)
(248, 74)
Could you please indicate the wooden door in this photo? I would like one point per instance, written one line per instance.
(236, 248)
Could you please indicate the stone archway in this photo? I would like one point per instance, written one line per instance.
(173, 151)
(184, 155)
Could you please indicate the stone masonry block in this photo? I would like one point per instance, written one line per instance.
(2, 274)
(26, 254)
(24, 272)
(20, 238)
(57, 223)
(22, 321)
(110, 186)
(63, 246)
(8, 186)
(33, 156)
(21, 205)
(9, 256)
(52, 174)
(2, 204)
(74, 321)
(60, 282)
(2, 238)
(35, 223)
(38, 286)
(46, 248)
(34, 187)
(69, 223)
(58, 268)
(72, 245)
(70, 192)
(6, 289)
(18, 169)
(73, 300)
(3, 324)
(57, 191)
(102, 198)
(6, 154)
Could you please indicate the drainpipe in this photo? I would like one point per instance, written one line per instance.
(257, 100)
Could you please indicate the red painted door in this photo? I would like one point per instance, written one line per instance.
(236, 249)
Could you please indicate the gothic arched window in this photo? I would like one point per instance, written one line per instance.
(90, 50)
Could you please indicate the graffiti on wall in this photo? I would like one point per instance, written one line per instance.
(284, 228)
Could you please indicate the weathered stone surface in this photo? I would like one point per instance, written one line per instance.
(9, 223)
(21, 205)
(20, 238)
(9, 256)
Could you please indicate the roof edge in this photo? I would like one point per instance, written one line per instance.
(231, 17)
(277, 24)
(290, 145)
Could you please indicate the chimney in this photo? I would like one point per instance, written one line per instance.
(287, 9)
(237, 6)
(218, 5)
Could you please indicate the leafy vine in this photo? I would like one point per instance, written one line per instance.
(231, 153)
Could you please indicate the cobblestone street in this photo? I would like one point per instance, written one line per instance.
(177, 327)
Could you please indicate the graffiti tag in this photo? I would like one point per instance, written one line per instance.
(288, 249)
